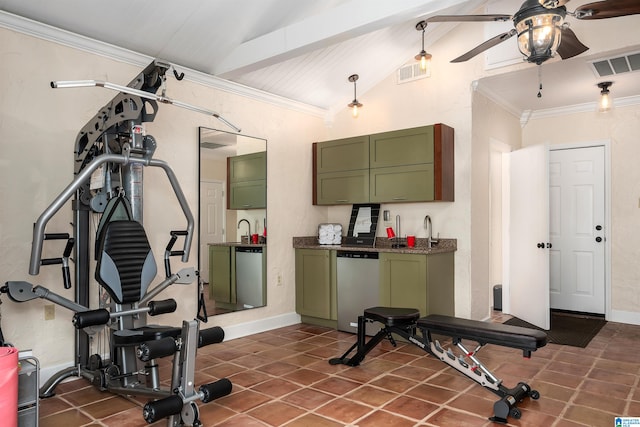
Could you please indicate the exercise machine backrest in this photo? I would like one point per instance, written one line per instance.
(126, 266)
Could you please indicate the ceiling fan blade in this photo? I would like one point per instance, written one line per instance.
(468, 18)
(552, 4)
(486, 45)
(570, 46)
(608, 9)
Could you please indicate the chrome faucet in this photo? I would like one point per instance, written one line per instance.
(429, 227)
(248, 226)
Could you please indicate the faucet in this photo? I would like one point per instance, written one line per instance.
(428, 226)
(248, 226)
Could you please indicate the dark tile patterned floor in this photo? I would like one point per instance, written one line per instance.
(282, 378)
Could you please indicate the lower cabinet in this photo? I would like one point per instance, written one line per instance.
(220, 276)
(316, 286)
(424, 282)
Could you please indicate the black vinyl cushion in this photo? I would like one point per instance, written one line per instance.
(392, 316)
(125, 265)
(136, 336)
(484, 332)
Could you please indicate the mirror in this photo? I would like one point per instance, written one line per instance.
(232, 220)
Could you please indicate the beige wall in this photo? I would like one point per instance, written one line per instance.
(38, 127)
(491, 125)
(621, 127)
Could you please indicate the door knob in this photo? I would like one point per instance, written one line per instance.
(540, 245)
(549, 245)
(598, 239)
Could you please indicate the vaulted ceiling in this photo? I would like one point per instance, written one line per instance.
(305, 50)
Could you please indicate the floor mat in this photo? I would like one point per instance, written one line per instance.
(567, 329)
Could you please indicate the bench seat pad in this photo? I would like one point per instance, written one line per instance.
(393, 316)
(484, 332)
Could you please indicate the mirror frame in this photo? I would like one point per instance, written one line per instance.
(204, 291)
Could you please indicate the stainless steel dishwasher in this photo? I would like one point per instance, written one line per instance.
(249, 280)
(358, 286)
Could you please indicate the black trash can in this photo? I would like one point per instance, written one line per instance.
(497, 297)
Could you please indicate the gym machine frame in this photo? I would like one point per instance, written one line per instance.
(114, 141)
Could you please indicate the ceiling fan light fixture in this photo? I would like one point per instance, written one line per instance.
(606, 102)
(539, 34)
(354, 105)
(423, 56)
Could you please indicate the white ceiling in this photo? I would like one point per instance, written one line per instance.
(305, 50)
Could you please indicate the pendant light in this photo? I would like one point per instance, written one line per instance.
(606, 102)
(423, 56)
(354, 105)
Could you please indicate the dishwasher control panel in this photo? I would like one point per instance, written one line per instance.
(357, 254)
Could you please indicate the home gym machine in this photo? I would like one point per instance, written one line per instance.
(111, 151)
(406, 322)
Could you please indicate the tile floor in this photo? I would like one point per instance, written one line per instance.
(282, 378)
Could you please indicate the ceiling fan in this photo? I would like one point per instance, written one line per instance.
(540, 27)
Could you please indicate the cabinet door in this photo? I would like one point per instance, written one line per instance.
(402, 184)
(220, 280)
(248, 167)
(403, 281)
(401, 147)
(248, 195)
(440, 284)
(342, 154)
(313, 283)
(342, 187)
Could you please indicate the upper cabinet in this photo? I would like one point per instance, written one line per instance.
(247, 181)
(409, 165)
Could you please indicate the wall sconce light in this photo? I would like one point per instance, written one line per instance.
(423, 56)
(354, 105)
(606, 102)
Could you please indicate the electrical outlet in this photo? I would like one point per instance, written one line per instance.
(49, 312)
(279, 280)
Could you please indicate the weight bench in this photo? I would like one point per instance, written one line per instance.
(407, 323)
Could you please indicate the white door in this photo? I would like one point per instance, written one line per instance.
(577, 215)
(527, 235)
(212, 207)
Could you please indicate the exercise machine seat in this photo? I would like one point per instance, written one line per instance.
(484, 332)
(136, 336)
(392, 316)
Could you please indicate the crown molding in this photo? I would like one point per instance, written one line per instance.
(76, 41)
(588, 107)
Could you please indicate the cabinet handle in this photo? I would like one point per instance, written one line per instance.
(399, 198)
(246, 206)
(342, 201)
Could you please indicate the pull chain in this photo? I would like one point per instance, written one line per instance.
(539, 81)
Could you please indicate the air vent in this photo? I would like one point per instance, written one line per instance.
(411, 72)
(617, 65)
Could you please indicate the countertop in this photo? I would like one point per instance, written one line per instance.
(239, 244)
(382, 245)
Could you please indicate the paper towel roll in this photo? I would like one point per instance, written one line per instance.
(9, 386)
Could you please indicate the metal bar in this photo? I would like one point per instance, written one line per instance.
(141, 93)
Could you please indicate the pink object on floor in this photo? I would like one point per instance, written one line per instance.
(9, 386)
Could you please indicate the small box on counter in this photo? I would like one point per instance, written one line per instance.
(329, 234)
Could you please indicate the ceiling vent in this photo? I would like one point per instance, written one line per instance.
(617, 65)
(411, 72)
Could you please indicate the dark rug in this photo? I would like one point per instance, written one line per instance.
(567, 329)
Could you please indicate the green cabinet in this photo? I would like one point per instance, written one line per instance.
(425, 282)
(221, 276)
(412, 183)
(341, 171)
(247, 181)
(409, 165)
(316, 286)
(402, 147)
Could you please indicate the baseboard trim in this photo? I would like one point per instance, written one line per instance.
(261, 325)
(621, 316)
(230, 332)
